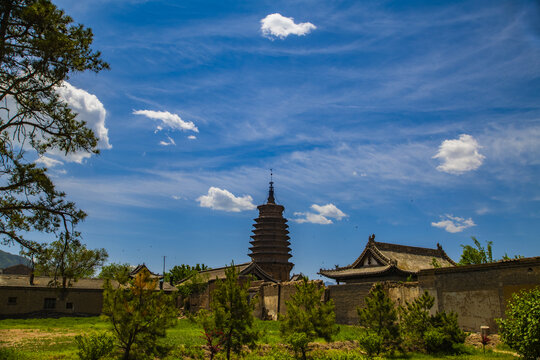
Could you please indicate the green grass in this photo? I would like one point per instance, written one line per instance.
(184, 338)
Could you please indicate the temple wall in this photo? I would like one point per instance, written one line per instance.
(347, 298)
(477, 293)
(31, 301)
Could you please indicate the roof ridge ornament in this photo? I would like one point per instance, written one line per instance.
(371, 239)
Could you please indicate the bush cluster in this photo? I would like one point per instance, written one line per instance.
(411, 327)
(423, 331)
(94, 346)
(521, 328)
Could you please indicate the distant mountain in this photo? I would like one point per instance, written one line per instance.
(7, 260)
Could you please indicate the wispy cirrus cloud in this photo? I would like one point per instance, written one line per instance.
(321, 214)
(453, 224)
(48, 161)
(277, 25)
(459, 155)
(168, 120)
(169, 142)
(221, 199)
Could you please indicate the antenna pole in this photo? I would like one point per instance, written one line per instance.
(164, 265)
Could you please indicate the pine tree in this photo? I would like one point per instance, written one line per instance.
(40, 46)
(233, 312)
(308, 317)
(380, 317)
(138, 313)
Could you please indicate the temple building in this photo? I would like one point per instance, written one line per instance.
(383, 262)
(270, 251)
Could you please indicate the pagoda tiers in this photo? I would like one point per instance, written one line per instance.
(389, 262)
(270, 245)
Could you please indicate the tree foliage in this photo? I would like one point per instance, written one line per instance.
(477, 254)
(115, 271)
(307, 317)
(68, 262)
(232, 312)
(380, 317)
(521, 328)
(138, 313)
(184, 271)
(423, 331)
(94, 346)
(40, 47)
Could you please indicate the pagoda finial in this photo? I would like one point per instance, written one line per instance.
(271, 199)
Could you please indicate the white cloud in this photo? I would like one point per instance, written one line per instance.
(48, 161)
(191, 137)
(165, 143)
(89, 109)
(329, 210)
(277, 25)
(459, 155)
(168, 120)
(483, 210)
(312, 218)
(453, 224)
(221, 199)
(324, 212)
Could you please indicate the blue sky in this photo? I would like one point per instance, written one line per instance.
(418, 121)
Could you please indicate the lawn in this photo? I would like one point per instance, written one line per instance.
(54, 339)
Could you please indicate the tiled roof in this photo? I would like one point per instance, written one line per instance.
(351, 272)
(139, 268)
(243, 269)
(403, 258)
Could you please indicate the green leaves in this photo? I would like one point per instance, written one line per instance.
(521, 328)
(478, 255)
(233, 312)
(307, 317)
(39, 48)
(425, 332)
(138, 313)
(380, 317)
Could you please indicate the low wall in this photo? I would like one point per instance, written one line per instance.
(274, 297)
(479, 293)
(347, 298)
(18, 302)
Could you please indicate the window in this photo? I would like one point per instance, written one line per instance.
(69, 305)
(12, 301)
(50, 303)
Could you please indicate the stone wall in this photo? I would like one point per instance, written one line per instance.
(21, 301)
(273, 297)
(347, 298)
(479, 293)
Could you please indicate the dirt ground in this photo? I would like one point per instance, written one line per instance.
(14, 337)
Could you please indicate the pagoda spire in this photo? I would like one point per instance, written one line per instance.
(271, 199)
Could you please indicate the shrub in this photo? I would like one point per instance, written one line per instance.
(380, 316)
(307, 317)
(139, 314)
(94, 346)
(232, 313)
(431, 333)
(370, 342)
(521, 328)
